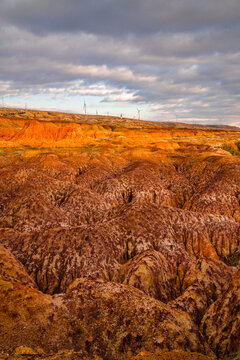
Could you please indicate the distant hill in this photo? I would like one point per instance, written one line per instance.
(103, 120)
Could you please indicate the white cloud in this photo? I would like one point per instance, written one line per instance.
(121, 74)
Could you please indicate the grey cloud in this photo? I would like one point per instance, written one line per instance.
(119, 17)
(179, 56)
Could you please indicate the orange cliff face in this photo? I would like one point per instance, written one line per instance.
(117, 240)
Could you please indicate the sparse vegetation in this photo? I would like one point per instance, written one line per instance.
(234, 260)
(235, 356)
(233, 149)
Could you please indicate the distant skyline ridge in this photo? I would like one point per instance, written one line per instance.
(175, 59)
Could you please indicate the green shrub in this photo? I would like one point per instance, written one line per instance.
(231, 149)
(238, 145)
(234, 260)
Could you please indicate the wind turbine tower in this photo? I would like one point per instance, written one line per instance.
(139, 113)
(85, 107)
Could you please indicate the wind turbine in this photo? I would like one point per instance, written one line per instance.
(3, 105)
(85, 107)
(139, 111)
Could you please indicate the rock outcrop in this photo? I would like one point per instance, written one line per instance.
(12, 270)
(221, 322)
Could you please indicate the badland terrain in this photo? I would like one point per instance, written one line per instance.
(119, 238)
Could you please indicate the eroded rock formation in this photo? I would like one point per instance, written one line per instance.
(116, 240)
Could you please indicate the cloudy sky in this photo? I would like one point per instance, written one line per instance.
(169, 58)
